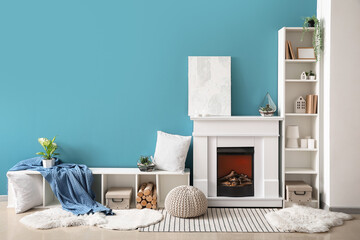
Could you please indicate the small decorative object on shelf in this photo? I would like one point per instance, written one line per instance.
(145, 165)
(311, 143)
(303, 143)
(267, 107)
(317, 40)
(306, 53)
(292, 135)
(50, 147)
(311, 75)
(300, 105)
(307, 142)
(303, 76)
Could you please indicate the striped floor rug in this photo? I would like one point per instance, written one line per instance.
(217, 220)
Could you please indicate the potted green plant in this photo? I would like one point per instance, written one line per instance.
(317, 40)
(310, 21)
(48, 156)
(267, 111)
(145, 165)
(311, 75)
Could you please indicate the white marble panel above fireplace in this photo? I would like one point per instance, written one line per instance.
(262, 133)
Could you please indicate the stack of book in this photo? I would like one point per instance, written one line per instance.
(289, 52)
(311, 103)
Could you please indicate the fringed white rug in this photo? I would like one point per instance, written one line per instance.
(305, 219)
(123, 220)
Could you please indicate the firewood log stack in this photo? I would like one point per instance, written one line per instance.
(146, 196)
(234, 179)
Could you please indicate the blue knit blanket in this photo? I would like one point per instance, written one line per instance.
(71, 184)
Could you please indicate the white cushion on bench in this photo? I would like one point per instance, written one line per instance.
(171, 151)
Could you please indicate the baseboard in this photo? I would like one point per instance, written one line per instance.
(324, 206)
(349, 210)
(3, 198)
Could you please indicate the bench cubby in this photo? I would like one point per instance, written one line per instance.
(105, 178)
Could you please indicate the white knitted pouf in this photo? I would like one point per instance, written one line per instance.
(186, 202)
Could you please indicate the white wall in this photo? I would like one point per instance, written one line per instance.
(341, 71)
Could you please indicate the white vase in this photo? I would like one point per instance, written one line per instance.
(312, 77)
(48, 163)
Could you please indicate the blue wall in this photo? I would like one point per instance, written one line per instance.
(106, 75)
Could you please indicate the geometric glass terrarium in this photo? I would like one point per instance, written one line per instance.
(267, 107)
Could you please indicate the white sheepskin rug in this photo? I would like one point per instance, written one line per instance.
(305, 219)
(123, 220)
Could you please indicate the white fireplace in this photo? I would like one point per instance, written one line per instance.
(259, 133)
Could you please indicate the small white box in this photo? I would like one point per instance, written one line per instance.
(311, 143)
(303, 143)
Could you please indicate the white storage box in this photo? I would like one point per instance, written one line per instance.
(118, 198)
(298, 192)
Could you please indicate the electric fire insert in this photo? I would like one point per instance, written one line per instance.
(235, 171)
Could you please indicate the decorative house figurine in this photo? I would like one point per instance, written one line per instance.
(303, 76)
(300, 105)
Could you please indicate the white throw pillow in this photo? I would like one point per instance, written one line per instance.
(171, 151)
(27, 190)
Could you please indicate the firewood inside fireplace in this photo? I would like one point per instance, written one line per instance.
(234, 179)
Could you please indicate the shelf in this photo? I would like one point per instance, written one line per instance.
(313, 203)
(298, 29)
(300, 171)
(300, 81)
(301, 114)
(300, 60)
(134, 171)
(300, 150)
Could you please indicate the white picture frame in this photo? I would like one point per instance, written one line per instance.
(306, 53)
(209, 86)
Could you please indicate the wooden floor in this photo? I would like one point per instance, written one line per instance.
(10, 228)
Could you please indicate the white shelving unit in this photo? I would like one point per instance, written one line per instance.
(105, 178)
(298, 164)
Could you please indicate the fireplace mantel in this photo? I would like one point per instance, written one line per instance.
(236, 118)
(262, 133)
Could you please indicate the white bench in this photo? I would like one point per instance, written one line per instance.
(105, 178)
